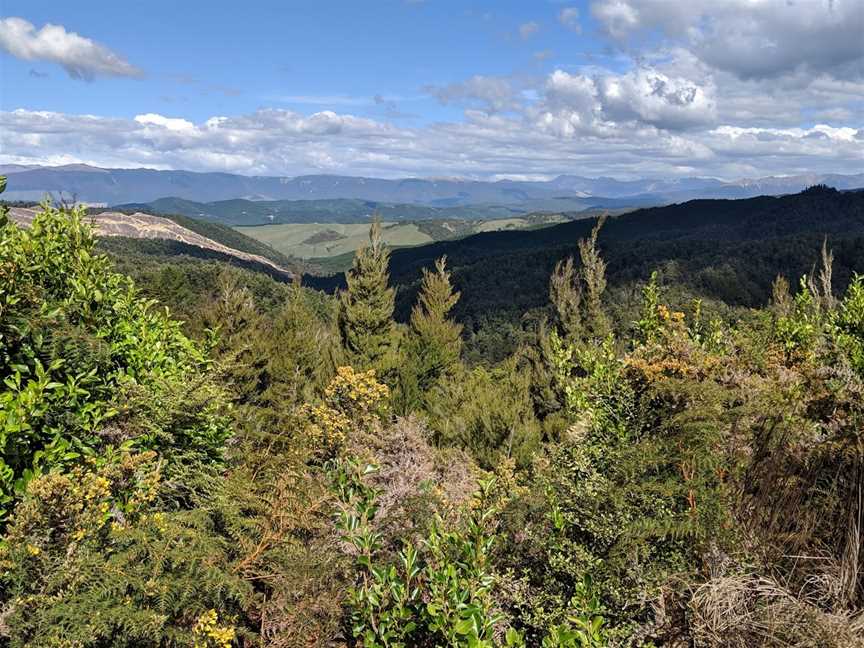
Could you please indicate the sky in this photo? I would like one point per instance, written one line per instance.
(437, 88)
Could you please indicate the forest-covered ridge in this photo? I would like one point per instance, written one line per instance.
(723, 250)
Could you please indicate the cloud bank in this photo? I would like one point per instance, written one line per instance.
(81, 57)
(728, 89)
(565, 133)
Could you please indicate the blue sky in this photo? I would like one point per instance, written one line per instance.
(210, 56)
(482, 89)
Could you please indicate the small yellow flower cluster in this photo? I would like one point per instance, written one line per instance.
(653, 369)
(355, 392)
(147, 485)
(351, 400)
(158, 520)
(209, 634)
(326, 428)
(669, 315)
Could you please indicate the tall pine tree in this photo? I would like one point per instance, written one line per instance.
(437, 339)
(366, 307)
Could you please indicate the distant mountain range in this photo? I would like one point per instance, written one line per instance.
(117, 186)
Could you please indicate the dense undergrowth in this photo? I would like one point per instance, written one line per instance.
(287, 469)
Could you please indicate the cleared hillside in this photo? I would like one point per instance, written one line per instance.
(147, 226)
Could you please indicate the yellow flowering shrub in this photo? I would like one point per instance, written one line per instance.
(76, 507)
(676, 349)
(356, 393)
(209, 634)
(326, 428)
(354, 400)
(113, 526)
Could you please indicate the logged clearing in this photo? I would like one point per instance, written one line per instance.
(147, 226)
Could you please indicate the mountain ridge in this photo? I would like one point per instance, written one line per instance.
(115, 186)
(726, 249)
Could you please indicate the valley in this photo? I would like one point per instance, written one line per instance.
(332, 245)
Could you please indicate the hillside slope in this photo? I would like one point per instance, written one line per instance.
(240, 212)
(146, 226)
(725, 249)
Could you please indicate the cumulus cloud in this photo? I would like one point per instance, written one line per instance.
(752, 39)
(641, 97)
(651, 97)
(81, 57)
(572, 92)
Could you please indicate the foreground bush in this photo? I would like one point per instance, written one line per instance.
(87, 363)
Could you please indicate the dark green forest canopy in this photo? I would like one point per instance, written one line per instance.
(728, 250)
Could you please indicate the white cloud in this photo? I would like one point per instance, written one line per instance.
(81, 57)
(490, 92)
(618, 16)
(752, 39)
(821, 131)
(651, 97)
(571, 91)
(569, 18)
(642, 97)
(175, 125)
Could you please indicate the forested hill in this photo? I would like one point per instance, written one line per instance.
(725, 249)
(823, 211)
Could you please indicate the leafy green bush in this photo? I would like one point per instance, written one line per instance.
(849, 324)
(440, 593)
(80, 350)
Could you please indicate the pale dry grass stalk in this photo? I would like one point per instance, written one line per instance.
(753, 611)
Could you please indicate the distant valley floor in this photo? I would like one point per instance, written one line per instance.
(333, 244)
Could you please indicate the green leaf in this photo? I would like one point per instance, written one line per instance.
(464, 627)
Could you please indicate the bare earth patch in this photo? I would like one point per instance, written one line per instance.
(146, 226)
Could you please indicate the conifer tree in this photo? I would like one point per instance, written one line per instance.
(577, 297)
(594, 278)
(366, 307)
(437, 339)
(565, 293)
